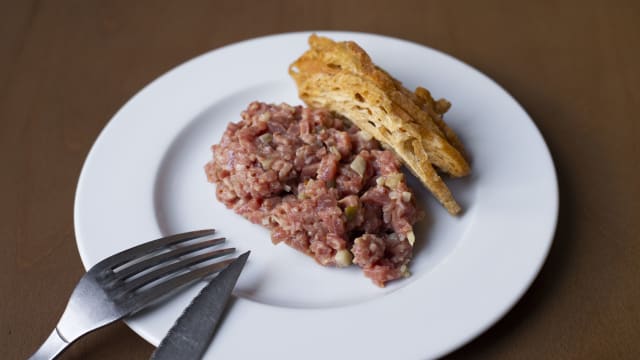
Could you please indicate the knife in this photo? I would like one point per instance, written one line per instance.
(191, 334)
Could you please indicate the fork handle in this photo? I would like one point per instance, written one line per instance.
(51, 348)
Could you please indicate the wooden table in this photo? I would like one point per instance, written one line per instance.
(67, 66)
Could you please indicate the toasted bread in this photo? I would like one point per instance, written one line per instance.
(340, 76)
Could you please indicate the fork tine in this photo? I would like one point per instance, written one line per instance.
(146, 296)
(172, 268)
(137, 251)
(169, 255)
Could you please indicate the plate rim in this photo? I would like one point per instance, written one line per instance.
(554, 196)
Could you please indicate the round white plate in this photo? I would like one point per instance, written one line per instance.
(144, 179)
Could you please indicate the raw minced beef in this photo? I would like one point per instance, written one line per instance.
(320, 185)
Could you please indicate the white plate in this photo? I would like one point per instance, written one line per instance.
(144, 178)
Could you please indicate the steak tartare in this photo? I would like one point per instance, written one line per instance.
(320, 185)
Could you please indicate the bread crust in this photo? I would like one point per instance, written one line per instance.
(341, 77)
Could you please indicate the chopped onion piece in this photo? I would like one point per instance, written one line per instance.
(392, 181)
(265, 138)
(359, 165)
(335, 152)
(343, 258)
(411, 237)
(266, 163)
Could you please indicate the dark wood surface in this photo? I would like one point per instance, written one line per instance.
(67, 66)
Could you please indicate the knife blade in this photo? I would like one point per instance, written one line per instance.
(191, 334)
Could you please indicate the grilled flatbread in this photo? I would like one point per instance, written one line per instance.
(341, 77)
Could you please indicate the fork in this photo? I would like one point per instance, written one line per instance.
(126, 282)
